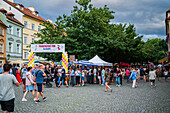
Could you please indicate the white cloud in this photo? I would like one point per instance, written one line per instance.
(152, 36)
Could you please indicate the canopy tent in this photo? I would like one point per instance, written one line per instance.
(17, 62)
(85, 62)
(35, 61)
(124, 64)
(46, 62)
(98, 61)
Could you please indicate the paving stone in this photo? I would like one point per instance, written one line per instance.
(93, 99)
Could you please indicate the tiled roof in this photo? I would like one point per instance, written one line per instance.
(10, 14)
(14, 19)
(2, 23)
(26, 11)
(168, 10)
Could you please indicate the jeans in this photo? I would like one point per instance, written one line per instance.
(103, 82)
(128, 79)
(88, 78)
(59, 79)
(134, 83)
(72, 81)
(118, 80)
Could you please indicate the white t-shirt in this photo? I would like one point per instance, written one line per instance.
(60, 70)
(166, 73)
(7, 82)
(95, 71)
(83, 74)
(103, 72)
(77, 73)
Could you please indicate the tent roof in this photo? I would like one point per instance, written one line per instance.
(98, 61)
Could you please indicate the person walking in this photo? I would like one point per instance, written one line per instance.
(39, 80)
(29, 84)
(23, 74)
(133, 76)
(152, 77)
(106, 77)
(63, 77)
(7, 92)
(95, 75)
(14, 70)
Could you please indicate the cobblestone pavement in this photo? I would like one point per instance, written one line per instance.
(93, 99)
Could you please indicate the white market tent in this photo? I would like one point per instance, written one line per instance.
(98, 61)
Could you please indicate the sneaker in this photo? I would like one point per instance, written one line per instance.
(44, 99)
(37, 101)
(24, 99)
(116, 85)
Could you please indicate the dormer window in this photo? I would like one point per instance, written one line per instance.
(11, 15)
(20, 6)
(36, 13)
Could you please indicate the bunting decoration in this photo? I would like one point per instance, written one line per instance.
(31, 60)
(65, 61)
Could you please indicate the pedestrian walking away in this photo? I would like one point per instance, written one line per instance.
(7, 93)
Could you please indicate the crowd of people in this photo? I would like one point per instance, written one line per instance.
(35, 79)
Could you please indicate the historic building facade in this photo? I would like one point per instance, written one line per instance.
(13, 36)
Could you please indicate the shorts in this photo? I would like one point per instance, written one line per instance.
(166, 77)
(29, 87)
(153, 81)
(39, 86)
(82, 78)
(24, 81)
(7, 105)
(63, 78)
(99, 77)
(158, 75)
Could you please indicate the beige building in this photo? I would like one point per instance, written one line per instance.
(31, 21)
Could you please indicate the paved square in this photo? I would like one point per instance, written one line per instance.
(93, 99)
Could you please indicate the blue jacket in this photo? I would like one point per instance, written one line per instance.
(133, 76)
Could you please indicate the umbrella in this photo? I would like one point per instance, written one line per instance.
(124, 64)
(17, 62)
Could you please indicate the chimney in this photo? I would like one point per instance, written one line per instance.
(50, 20)
(11, 1)
(31, 8)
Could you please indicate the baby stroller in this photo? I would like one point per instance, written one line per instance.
(48, 80)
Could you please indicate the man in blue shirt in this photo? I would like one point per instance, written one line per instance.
(63, 76)
(40, 74)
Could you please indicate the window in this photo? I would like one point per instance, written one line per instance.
(18, 48)
(1, 48)
(18, 32)
(25, 24)
(39, 28)
(10, 8)
(25, 40)
(2, 32)
(32, 40)
(10, 47)
(25, 55)
(10, 29)
(33, 26)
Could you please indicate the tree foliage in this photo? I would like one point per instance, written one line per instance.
(87, 31)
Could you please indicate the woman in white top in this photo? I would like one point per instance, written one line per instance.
(152, 77)
(166, 74)
(77, 73)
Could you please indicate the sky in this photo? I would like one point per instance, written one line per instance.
(148, 16)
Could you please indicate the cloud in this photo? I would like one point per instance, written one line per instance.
(146, 37)
(147, 15)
